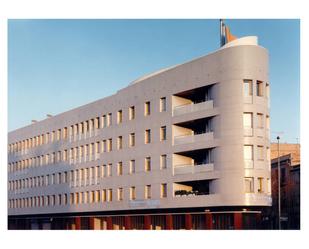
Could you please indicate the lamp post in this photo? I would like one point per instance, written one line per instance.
(279, 181)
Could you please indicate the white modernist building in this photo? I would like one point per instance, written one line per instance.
(188, 138)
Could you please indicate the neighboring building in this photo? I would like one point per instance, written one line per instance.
(290, 187)
(186, 147)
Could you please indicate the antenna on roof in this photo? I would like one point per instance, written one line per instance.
(222, 41)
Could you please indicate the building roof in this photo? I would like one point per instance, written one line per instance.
(285, 150)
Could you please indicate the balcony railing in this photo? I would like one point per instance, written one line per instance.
(193, 169)
(193, 138)
(183, 109)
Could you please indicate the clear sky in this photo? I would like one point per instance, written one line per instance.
(57, 65)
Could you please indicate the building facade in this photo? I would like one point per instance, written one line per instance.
(289, 187)
(186, 147)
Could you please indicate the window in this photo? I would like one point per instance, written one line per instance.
(119, 168)
(267, 90)
(260, 184)
(132, 193)
(103, 146)
(268, 153)
(110, 195)
(268, 185)
(65, 133)
(120, 194)
(248, 152)
(109, 119)
(97, 123)
(259, 88)
(267, 122)
(147, 108)
(163, 191)
(119, 143)
(247, 88)
(147, 164)
(260, 120)
(248, 120)
(249, 188)
(148, 192)
(109, 145)
(109, 169)
(163, 162)
(147, 136)
(132, 166)
(132, 139)
(104, 197)
(163, 133)
(163, 104)
(104, 123)
(119, 117)
(260, 152)
(132, 113)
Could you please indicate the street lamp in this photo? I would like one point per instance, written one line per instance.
(279, 194)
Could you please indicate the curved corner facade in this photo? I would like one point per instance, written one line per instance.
(187, 140)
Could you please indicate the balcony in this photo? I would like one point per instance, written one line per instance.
(193, 169)
(189, 108)
(185, 139)
(192, 188)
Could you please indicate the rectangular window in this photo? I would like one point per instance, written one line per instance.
(132, 140)
(132, 166)
(163, 104)
(104, 196)
(109, 119)
(260, 120)
(163, 133)
(247, 88)
(259, 88)
(248, 120)
(119, 168)
(119, 143)
(109, 145)
(260, 152)
(119, 117)
(120, 194)
(267, 90)
(132, 193)
(260, 184)
(109, 169)
(104, 170)
(268, 185)
(147, 108)
(267, 122)
(132, 113)
(249, 187)
(163, 190)
(268, 153)
(110, 195)
(147, 136)
(248, 152)
(147, 164)
(148, 192)
(104, 122)
(58, 134)
(163, 162)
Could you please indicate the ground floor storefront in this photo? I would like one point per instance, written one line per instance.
(137, 220)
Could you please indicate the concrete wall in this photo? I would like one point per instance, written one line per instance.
(226, 68)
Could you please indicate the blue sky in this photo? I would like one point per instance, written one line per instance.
(57, 65)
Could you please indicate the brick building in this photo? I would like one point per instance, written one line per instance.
(290, 186)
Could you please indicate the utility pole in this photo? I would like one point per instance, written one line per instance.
(279, 183)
